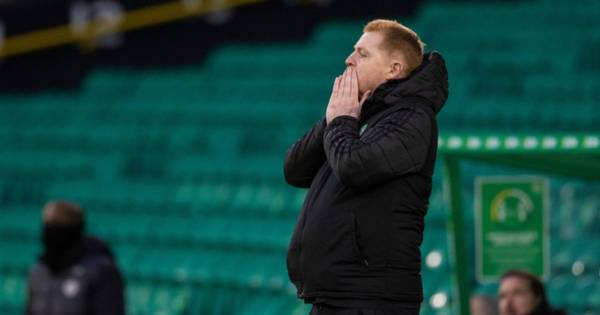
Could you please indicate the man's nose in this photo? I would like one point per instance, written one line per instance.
(350, 61)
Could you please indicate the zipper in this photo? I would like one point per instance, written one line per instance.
(355, 238)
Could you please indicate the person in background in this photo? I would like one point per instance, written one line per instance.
(76, 274)
(521, 293)
(482, 304)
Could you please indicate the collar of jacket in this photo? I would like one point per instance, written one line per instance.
(429, 81)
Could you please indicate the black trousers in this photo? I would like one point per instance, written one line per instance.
(320, 309)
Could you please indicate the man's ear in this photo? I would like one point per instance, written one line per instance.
(396, 71)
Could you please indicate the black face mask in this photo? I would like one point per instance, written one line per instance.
(59, 243)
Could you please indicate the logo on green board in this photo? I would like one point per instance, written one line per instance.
(511, 229)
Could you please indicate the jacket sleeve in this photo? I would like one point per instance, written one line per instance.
(108, 294)
(305, 158)
(396, 145)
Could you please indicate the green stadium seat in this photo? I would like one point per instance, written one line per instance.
(13, 290)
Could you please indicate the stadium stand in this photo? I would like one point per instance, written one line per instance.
(180, 169)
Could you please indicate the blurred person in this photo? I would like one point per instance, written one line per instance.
(369, 165)
(521, 293)
(76, 274)
(482, 304)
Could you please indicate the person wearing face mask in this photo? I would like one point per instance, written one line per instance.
(368, 165)
(521, 293)
(76, 274)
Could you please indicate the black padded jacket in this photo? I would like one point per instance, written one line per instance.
(361, 225)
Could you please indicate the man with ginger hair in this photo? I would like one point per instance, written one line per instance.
(368, 165)
(76, 274)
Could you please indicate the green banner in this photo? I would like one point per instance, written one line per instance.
(511, 225)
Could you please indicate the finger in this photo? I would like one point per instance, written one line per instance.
(354, 83)
(342, 83)
(351, 87)
(347, 83)
(337, 86)
(333, 89)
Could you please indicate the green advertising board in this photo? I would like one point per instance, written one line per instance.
(511, 225)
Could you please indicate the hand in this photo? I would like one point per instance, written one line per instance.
(344, 97)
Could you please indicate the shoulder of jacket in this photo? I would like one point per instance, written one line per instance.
(400, 112)
(37, 269)
(415, 103)
(98, 264)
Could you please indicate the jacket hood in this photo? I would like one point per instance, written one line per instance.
(428, 81)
